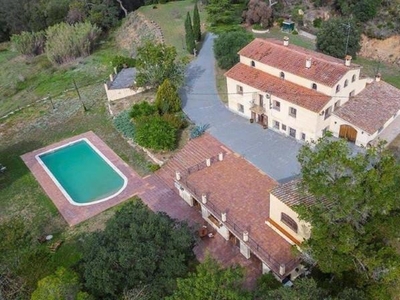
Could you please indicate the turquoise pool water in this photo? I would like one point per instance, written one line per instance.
(83, 174)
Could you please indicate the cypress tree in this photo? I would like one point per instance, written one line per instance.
(190, 43)
(196, 23)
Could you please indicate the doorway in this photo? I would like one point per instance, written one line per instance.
(348, 132)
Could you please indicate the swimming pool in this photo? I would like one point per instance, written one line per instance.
(82, 173)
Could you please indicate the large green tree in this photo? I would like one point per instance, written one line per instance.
(335, 34)
(157, 62)
(137, 248)
(357, 203)
(227, 45)
(196, 23)
(221, 12)
(189, 36)
(212, 281)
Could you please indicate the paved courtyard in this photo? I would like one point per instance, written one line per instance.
(269, 151)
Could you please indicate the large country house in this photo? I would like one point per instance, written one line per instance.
(303, 93)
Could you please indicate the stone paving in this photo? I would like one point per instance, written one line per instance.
(269, 151)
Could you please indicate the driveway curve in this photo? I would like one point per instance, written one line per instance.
(269, 151)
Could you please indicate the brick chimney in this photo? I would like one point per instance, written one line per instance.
(285, 41)
(347, 60)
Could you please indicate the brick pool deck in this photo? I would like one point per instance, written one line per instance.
(76, 214)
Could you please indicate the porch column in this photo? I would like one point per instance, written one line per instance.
(265, 269)
(204, 212)
(224, 232)
(245, 250)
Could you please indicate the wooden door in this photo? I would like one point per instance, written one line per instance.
(348, 132)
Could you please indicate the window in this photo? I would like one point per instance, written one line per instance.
(328, 112)
(337, 104)
(303, 136)
(346, 83)
(276, 105)
(276, 124)
(314, 86)
(253, 64)
(239, 89)
(240, 108)
(338, 88)
(292, 132)
(353, 78)
(292, 112)
(283, 127)
(288, 221)
(282, 75)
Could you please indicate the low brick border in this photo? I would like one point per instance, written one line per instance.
(76, 214)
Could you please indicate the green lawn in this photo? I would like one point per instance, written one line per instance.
(171, 18)
(297, 39)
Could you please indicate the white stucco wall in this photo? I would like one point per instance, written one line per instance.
(277, 207)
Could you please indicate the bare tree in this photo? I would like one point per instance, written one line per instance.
(258, 12)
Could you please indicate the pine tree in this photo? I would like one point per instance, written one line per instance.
(190, 43)
(196, 23)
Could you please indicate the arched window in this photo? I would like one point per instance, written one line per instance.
(282, 75)
(338, 88)
(314, 86)
(353, 78)
(346, 83)
(288, 221)
(253, 64)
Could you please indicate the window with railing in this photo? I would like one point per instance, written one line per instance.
(289, 222)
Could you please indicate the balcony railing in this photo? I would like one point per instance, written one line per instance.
(238, 229)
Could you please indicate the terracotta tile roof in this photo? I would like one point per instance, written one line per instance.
(371, 108)
(324, 69)
(290, 194)
(296, 94)
(238, 188)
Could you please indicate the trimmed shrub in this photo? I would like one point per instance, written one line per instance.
(155, 133)
(29, 43)
(167, 98)
(121, 62)
(153, 167)
(124, 125)
(176, 121)
(196, 23)
(67, 42)
(142, 109)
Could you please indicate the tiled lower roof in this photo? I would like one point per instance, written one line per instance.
(371, 108)
(238, 188)
(296, 94)
(290, 194)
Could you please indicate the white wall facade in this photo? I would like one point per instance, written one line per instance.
(277, 207)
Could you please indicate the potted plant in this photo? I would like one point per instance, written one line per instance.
(251, 120)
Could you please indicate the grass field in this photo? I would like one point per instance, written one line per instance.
(171, 18)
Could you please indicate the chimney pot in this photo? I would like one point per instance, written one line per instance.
(282, 269)
(220, 156)
(308, 63)
(223, 216)
(177, 175)
(204, 198)
(347, 60)
(285, 41)
(245, 236)
(208, 162)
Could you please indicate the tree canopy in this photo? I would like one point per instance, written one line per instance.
(137, 248)
(167, 98)
(211, 281)
(157, 62)
(357, 204)
(189, 35)
(227, 45)
(332, 37)
(196, 23)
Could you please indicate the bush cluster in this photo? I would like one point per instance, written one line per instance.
(29, 43)
(66, 42)
(124, 125)
(142, 109)
(155, 133)
(121, 62)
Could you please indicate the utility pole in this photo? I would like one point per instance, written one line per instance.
(348, 26)
(79, 95)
